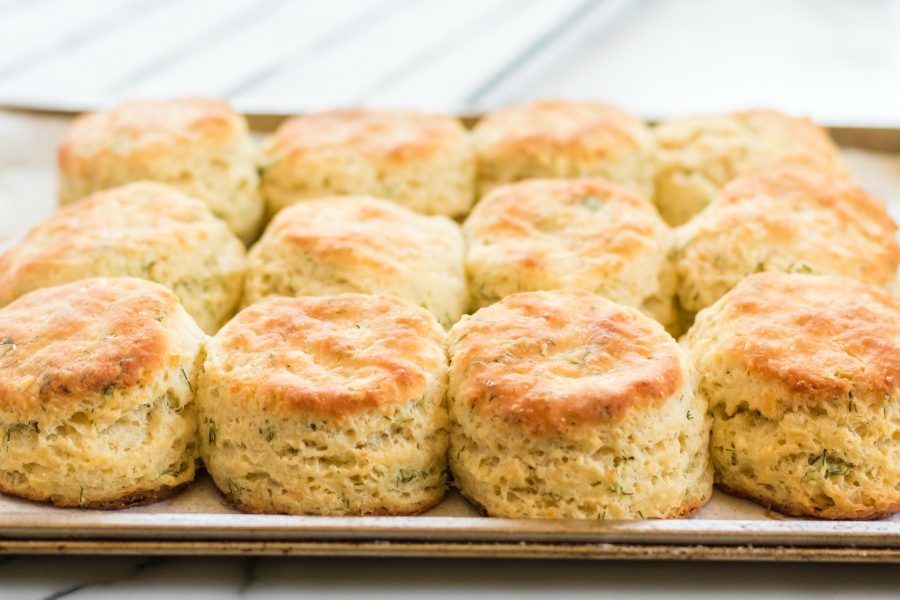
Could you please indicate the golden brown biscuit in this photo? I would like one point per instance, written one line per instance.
(546, 234)
(197, 145)
(556, 139)
(364, 245)
(327, 406)
(143, 229)
(801, 374)
(422, 161)
(790, 221)
(97, 381)
(696, 156)
(567, 405)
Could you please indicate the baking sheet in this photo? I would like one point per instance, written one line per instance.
(199, 521)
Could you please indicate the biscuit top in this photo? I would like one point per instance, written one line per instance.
(359, 231)
(552, 361)
(816, 217)
(580, 129)
(329, 356)
(729, 145)
(818, 338)
(76, 343)
(134, 220)
(150, 128)
(587, 224)
(391, 136)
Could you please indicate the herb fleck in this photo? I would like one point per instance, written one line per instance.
(213, 433)
(190, 387)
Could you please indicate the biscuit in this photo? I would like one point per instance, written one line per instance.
(422, 161)
(97, 382)
(801, 374)
(795, 222)
(555, 139)
(330, 406)
(698, 155)
(364, 245)
(566, 405)
(197, 145)
(143, 229)
(588, 234)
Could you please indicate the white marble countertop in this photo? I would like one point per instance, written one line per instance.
(194, 578)
(838, 61)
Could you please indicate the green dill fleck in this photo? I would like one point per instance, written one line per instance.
(592, 204)
(7, 341)
(270, 433)
(851, 406)
(160, 316)
(459, 452)
(109, 389)
(619, 490)
(733, 456)
(696, 295)
(407, 475)
(596, 483)
(35, 426)
(555, 497)
(81, 496)
(821, 457)
(6, 438)
(190, 387)
(690, 417)
(641, 514)
(213, 433)
(837, 468)
(601, 516)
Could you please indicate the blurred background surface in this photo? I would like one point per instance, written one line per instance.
(835, 60)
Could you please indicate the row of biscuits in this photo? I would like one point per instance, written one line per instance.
(427, 162)
(558, 404)
(529, 236)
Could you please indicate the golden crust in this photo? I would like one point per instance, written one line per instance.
(147, 131)
(360, 244)
(816, 337)
(143, 229)
(332, 356)
(583, 130)
(862, 512)
(697, 155)
(392, 137)
(785, 221)
(352, 230)
(552, 361)
(563, 139)
(140, 498)
(550, 234)
(76, 342)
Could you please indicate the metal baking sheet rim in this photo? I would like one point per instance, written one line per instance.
(381, 549)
